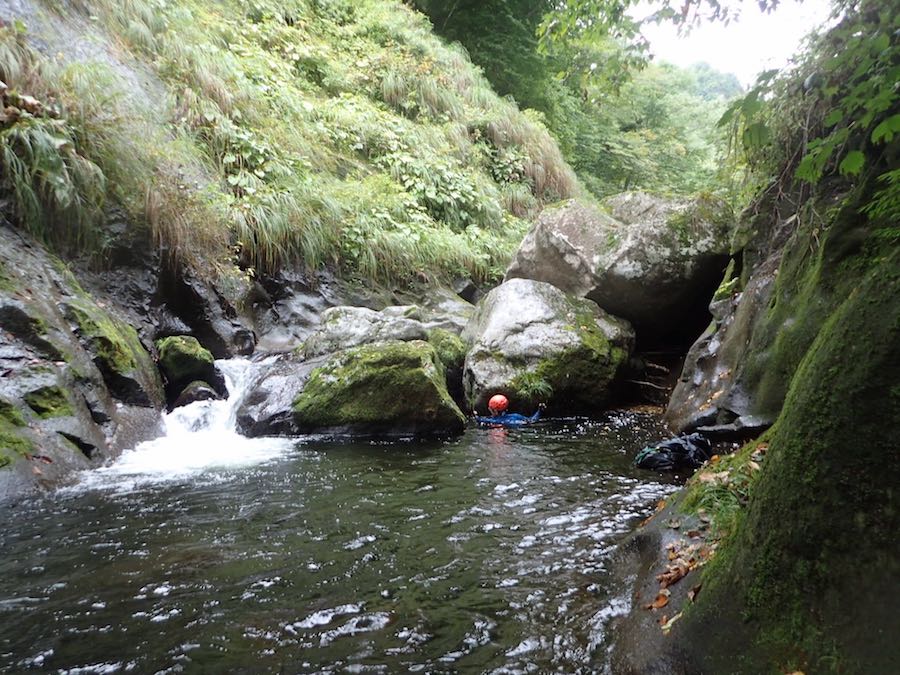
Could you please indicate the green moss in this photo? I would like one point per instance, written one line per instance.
(531, 388)
(10, 414)
(12, 443)
(394, 384)
(730, 283)
(183, 359)
(819, 269)
(7, 285)
(50, 401)
(801, 582)
(450, 348)
(113, 344)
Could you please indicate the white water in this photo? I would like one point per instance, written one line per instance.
(199, 438)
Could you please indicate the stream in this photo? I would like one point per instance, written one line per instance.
(203, 551)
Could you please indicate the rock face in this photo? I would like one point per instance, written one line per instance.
(532, 342)
(76, 383)
(736, 374)
(389, 389)
(647, 262)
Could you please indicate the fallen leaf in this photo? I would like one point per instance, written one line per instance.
(693, 534)
(753, 465)
(662, 599)
(667, 626)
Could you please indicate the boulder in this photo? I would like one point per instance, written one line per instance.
(346, 327)
(385, 390)
(196, 391)
(184, 360)
(654, 261)
(532, 342)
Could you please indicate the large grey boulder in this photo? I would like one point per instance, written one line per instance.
(346, 327)
(651, 260)
(532, 342)
(386, 390)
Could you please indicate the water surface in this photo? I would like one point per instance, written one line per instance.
(206, 552)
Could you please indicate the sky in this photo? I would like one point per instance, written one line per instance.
(754, 43)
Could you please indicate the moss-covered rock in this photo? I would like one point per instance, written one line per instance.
(183, 360)
(801, 585)
(534, 343)
(13, 443)
(451, 352)
(50, 401)
(116, 350)
(450, 348)
(389, 389)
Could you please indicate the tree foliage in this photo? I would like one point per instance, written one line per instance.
(621, 123)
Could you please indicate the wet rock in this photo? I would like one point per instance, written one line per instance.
(267, 407)
(648, 261)
(212, 318)
(287, 307)
(116, 350)
(532, 342)
(183, 360)
(346, 327)
(715, 389)
(76, 384)
(27, 327)
(384, 390)
(196, 391)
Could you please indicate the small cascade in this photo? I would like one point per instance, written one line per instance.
(198, 437)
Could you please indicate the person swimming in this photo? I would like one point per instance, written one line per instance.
(500, 418)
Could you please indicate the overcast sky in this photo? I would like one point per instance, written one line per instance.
(754, 43)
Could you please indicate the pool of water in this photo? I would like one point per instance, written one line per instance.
(206, 552)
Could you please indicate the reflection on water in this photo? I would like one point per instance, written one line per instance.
(485, 554)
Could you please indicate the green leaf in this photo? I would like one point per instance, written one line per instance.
(853, 163)
(834, 117)
(884, 132)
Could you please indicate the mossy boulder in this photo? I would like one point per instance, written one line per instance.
(183, 360)
(648, 260)
(390, 389)
(534, 343)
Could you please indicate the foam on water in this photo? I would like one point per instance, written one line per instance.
(198, 438)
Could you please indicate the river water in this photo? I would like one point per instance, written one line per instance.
(206, 552)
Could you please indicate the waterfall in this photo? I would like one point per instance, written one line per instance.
(198, 438)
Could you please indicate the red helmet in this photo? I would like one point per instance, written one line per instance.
(498, 403)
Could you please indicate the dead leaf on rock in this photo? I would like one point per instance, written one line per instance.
(693, 534)
(667, 626)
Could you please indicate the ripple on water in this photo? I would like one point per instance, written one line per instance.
(486, 554)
